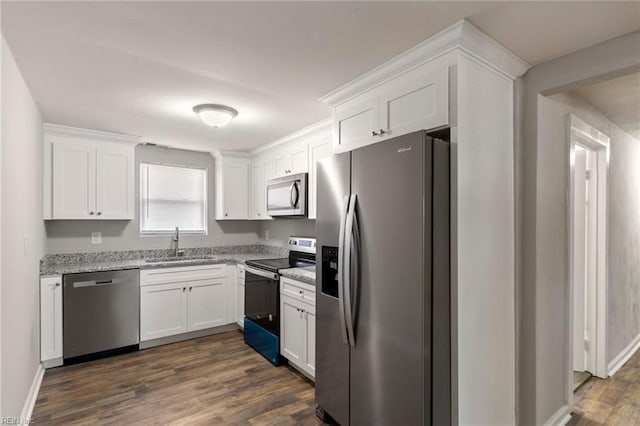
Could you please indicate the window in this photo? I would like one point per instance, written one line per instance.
(172, 196)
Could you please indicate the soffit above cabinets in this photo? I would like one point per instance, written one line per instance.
(139, 67)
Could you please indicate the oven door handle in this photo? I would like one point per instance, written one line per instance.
(261, 273)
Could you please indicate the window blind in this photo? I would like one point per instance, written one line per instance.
(173, 196)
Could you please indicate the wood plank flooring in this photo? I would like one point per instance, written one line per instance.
(211, 380)
(614, 401)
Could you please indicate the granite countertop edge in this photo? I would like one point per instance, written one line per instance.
(306, 274)
(79, 263)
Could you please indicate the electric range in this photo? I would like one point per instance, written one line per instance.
(262, 296)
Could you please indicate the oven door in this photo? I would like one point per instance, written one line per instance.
(287, 196)
(262, 298)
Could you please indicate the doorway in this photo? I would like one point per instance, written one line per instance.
(587, 246)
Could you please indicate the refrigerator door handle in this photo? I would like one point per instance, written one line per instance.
(341, 252)
(350, 243)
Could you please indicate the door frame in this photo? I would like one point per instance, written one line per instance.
(582, 133)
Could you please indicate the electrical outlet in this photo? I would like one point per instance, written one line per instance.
(266, 234)
(96, 238)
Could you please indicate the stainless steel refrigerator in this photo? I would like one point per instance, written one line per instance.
(383, 284)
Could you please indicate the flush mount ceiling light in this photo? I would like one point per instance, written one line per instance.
(215, 115)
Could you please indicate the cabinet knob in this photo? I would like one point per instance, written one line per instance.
(90, 213)
(382, 132)
(57, 284)
(226, 214)
(190, 288)
(99, 213)
(184, 289)
(258, 214)
(374, 133)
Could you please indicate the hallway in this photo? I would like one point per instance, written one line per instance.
(615, 401)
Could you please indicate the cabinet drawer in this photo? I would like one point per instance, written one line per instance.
(185, 273)
(298, 290)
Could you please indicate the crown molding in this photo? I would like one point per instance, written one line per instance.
(462, 36)
(298, 134)
(76, 132)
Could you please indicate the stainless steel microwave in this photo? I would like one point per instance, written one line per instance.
(287, 196)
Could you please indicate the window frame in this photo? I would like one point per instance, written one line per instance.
(160, 233)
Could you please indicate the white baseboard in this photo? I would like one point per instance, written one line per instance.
(30, 402)
(560, 418)
(624, 356)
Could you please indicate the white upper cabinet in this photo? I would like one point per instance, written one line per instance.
(292, 159)
(258, 200)
(74, 180)
(419, 103)
(88, 174)
(407, 103)
(356, 125)
(232, 187)
(114, 182)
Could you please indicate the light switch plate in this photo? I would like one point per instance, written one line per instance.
(96, 238)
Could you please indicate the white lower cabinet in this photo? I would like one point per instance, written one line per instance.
(163, 310)
(181, 300)
(240, 296)
(207, 304)
(51, 321)
(298, 329)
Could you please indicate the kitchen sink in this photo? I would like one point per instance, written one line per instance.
(177, 259)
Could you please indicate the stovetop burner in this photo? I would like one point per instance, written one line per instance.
(272, 265)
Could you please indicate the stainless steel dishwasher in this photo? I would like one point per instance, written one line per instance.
(101, 314)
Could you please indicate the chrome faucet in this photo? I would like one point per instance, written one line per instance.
(176, 243)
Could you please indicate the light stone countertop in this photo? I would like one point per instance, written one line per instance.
(137, 259)
(306, 274)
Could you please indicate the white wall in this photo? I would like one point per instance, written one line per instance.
(22, 236)
(281, 229)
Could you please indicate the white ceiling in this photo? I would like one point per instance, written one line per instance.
(139, 67)
(618, 99)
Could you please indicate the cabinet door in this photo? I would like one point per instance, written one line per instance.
(415, 105)
(318, 149)
(310, 340)
(299, 153)
(232, 290)
(353, 127)
(240, 296)
(291, 331)
(240, 303)
(258, 192)
(282, 163)
(163, 310)
(207, 306)
(50, 318)
(74, 180)
(114, 183)
(235, 197)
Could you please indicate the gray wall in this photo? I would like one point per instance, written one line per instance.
(22, 237)
(542, 211)
(281, 229)
(68, 236)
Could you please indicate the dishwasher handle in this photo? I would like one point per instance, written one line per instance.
(93, 283)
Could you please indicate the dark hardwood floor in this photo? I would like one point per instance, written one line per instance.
(614, 401)
(211, 380)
